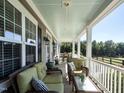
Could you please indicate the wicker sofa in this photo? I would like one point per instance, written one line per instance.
(53, 79)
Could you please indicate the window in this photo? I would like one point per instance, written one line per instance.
(39, 45)
(18, 32)
(18, 25)
(9, 29)
(9, 11)
(30, 31)
(30, 54)
(1, 18)
(1, 26)
(12, 20)
(30, 38)
(18, 18)
(1, 7)
(10, 58)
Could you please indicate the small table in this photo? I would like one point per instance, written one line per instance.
(87, 86)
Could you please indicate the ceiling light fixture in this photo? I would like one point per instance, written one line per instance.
(66, 3)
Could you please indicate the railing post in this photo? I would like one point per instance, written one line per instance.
(103, 59)
(123, 62)
(110, 60)
(97, 58)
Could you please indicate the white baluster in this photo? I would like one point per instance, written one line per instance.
(123, 82)
(115, 81)
(102, 79)
(119, 82)
(93, 69)
(105, 76)
(111, 83)
(99, 72)
(108, 75)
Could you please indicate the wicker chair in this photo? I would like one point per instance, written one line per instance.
(72, 72)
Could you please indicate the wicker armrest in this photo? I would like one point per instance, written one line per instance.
(85, 70)
(76, 72)
(42, 92)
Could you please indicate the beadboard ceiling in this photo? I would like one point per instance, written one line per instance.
(67, 22)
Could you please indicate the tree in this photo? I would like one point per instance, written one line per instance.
(110, 48)
(83, 48)
(95, 48)
(66, 47)
(120, 49)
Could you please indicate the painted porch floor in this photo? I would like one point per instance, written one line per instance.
(67, 87)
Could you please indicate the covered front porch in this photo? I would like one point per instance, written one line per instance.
(43, 26)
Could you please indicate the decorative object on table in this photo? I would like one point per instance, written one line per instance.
(56, 60)
(50, 65)
(82, 77)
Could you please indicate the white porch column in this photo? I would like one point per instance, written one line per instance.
(89, 46)
(36, 44)
(58, 50)
(23, 42)
(78, 48)
(73, 48)
(51, 50)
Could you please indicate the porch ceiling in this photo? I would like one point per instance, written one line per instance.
(67, 23)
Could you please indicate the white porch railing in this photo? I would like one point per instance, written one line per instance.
(109, 77)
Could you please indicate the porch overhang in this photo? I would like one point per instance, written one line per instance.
(67, 23)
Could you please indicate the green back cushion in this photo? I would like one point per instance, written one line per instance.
(41, 70)
(24, 78)
(78, 62)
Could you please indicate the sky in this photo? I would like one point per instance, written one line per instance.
(111, 27)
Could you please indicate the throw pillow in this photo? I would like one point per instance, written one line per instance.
(39, 85)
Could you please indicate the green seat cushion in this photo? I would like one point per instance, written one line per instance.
(24, 78)
(53, 78)
(41, 70)
(56, 87)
